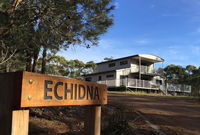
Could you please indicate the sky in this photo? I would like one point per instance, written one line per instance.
(166, 28)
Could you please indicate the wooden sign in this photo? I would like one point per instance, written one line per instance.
(24, 89)
(36, 90)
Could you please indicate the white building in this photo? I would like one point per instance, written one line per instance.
(132, 72)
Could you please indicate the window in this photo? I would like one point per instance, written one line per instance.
(123, 62)
(99, 79)
(159, 82)
(89, 79)
(111, 65)
(109, 76)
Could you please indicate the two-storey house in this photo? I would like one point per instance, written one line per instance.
(135, 71)
(132, 72)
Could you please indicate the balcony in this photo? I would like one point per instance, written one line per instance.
(143, 84)
(133, 83)
(143, 70)
(178, 88)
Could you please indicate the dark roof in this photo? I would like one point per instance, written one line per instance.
(137, 55)
(117, 59)
(100, 73)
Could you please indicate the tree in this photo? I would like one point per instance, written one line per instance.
(175, 73)
(160, 71)
(189, 75)
(39, 27)
(190, 69)
(58, 65)
(108, 58)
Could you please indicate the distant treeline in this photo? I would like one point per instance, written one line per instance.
(56, 65)
(189, 75)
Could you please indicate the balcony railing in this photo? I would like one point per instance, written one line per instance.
(178, 88)
(130, 83)
(144, 84)
(142, 69)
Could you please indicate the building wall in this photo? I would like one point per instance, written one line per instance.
(120, 70)
(104, 76)
(131, 63)
(151, 68)
(135, 67)
(105, 66)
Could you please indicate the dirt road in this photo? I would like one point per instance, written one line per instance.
(174, 116)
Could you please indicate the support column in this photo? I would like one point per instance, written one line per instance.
(93, 120)
(20, 120)
(139, 68)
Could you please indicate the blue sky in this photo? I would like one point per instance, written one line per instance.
(167, 28)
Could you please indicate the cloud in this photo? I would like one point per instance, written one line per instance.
(142, 41)
(182, 54)
(106, 48)
(195, 50)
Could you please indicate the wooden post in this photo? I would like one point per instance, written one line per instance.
(9, 96)
(12, 122)
(23, 89)
(93, 120)
(20, 119)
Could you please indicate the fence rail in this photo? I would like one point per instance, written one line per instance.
(178, 88)
(136, 83)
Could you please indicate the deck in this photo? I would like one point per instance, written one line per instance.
(148, 85)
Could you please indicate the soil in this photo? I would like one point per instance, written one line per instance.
(125, 114)
(174, 116)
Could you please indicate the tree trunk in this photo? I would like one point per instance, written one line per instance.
(44, 54)
(28, 63)
(35, 59)
(7, 67)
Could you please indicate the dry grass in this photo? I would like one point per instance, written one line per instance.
(146, 94)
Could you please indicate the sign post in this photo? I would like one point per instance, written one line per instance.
(93, 120)
(23, 89)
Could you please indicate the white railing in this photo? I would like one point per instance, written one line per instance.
(178, 88)
(136, 83)
(109, 83)
(130, 83)
(142, 69)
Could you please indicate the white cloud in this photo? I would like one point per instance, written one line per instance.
(142, 41)
(173, 54)
(195, 50)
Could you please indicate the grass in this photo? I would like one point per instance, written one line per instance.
(152, 94)
(141, 93)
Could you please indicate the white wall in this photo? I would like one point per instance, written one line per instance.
(105, 66)
(151, 68)
(104, 77)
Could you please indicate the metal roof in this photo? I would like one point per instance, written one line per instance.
(146, 57)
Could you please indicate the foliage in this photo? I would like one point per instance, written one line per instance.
(121, 122)
(175, 73)
(40, 27)
(58, 65)
(184, 75)
(108, 58)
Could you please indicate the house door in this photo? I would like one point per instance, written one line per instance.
(123, 80)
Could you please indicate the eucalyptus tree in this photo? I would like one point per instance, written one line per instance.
(44, 26)
(175, 73)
